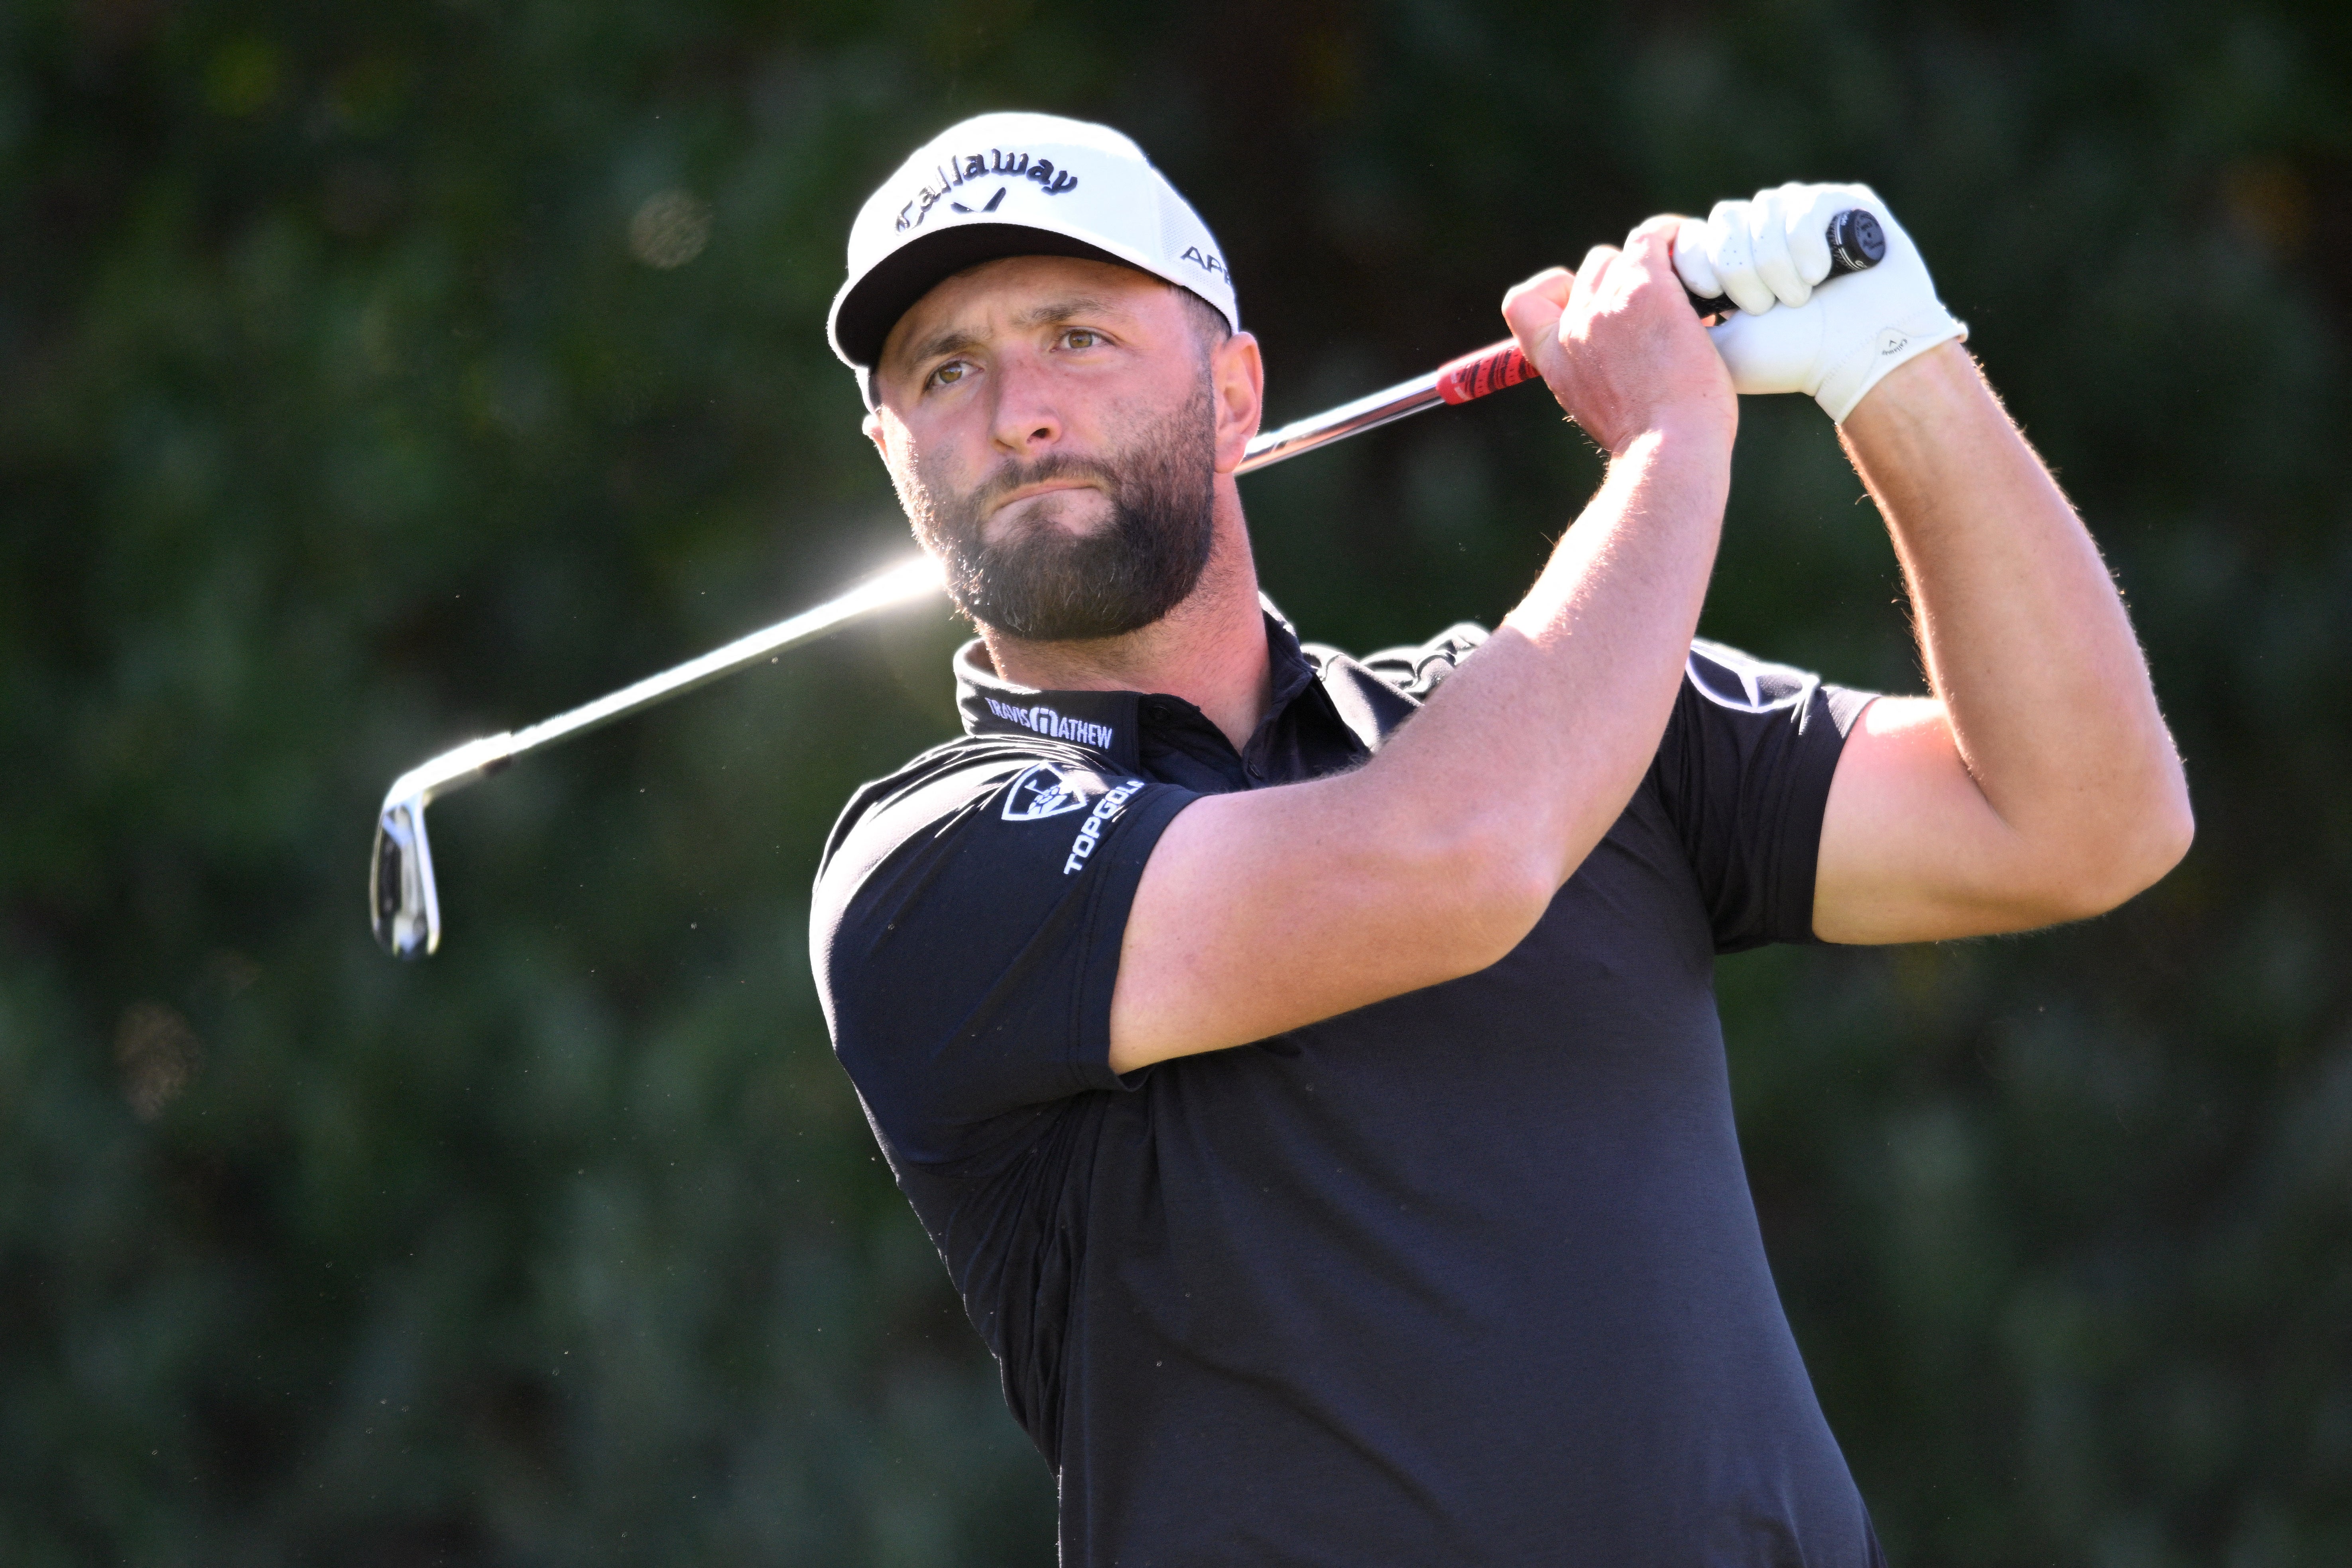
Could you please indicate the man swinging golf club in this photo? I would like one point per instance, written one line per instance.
(1308, 1068)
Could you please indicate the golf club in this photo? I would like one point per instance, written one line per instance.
(405, 906)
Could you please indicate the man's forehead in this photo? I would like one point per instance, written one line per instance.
(1016, 292)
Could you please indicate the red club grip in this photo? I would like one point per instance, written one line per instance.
(1490, 369)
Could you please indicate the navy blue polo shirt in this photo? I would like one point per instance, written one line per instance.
(1468, 1275)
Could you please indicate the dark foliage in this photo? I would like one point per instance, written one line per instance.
(373, 377)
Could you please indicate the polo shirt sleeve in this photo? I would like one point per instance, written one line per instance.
(965, 935)
(1744, 771)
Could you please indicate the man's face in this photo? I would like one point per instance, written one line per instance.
(1051, 426)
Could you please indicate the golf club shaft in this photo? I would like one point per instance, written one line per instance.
(1855, 242)
(406, 905)
(1472, 376)
(405, 902)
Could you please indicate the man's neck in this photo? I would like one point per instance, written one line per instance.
(1210, 650)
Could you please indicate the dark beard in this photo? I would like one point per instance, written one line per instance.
(1045, 585)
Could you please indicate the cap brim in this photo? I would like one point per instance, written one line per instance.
(864, 314)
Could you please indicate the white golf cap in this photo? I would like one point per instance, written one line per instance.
(1016, 184)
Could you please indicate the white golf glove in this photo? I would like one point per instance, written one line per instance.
(1797, 329)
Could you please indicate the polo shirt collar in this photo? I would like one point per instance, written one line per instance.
(1293, 671)
(1099, 721)
(1103, 721)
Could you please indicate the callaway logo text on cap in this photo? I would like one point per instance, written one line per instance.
(976, 166)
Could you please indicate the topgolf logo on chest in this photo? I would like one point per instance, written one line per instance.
(1091, 830)
(1042, 790)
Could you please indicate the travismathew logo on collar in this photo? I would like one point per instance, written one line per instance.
(996, 163)
(1054, 725)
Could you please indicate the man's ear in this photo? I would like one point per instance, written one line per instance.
(877, 432)
(1237, 380)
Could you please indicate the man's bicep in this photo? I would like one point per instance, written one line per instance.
(1272, 908)
(1911, 850)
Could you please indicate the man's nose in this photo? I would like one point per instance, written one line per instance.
(1028, 418)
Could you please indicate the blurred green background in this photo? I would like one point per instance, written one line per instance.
(373, 377)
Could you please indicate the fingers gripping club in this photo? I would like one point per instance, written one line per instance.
(1857, 245)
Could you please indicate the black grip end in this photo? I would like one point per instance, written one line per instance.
(1856, 242)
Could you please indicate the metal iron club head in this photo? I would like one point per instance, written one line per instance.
(401, 895)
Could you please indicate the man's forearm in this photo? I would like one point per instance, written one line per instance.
(1262, 910)
(2026, 641)
(1565, 703)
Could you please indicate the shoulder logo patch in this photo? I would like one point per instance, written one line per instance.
(1733, 680)
(1044, 790)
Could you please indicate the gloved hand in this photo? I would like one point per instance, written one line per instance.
(1797, 329)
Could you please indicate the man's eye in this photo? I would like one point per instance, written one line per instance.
(949, 373)
(1081, 338)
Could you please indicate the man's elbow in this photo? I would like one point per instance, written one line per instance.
(2174, 830)
(2134, 852)
(1484, 890)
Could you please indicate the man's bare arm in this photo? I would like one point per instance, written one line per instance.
(2038, 784)
(1266, 909)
